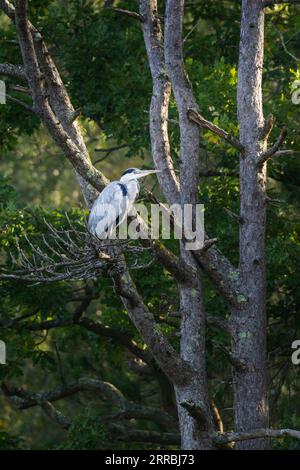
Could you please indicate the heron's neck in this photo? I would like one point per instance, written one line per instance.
(133, 189)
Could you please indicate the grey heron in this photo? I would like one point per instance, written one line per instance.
(115, 202)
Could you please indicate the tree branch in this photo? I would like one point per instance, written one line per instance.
(194, 116)
(158, 116)
(29, 399)
(7, 8)
(131, 14)
(20, 103)
(24, 399)
(117, 336)
(51, 101)
(223, 274)
(198, 413)
(234, 361)
(177, 370)
(219, 322)
(55, 414)
(268, 126)
(272, 150)
(16, 71)
(223, 438)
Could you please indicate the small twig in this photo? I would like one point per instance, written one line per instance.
(78, 112)
(21, 89)
(233, 215)
(21, 103)
(213, 173)
(209, 243)
(108, 151)
(59, 363)
(217, 417)
(272, 150)
(284, 45)
(132, 14)
(284, 153)
(192, 30)
(204, 124)
(219, 322)
(54, 414)
(198, 413)
(268, 126)
(270, 200)
(234, 361)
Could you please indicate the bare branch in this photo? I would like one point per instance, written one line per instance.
(131, 14)
(55, 414)
(117, 336)
(21, 89)
(209, 243)
(234, 360)
(16, 71)
(51, 100)
(198, 413)
(108, 151)
(222, 438)
(284, 45)
(158, 116)
(212, 173)
(234, 216)
(217, 417)
(194, 116)
(29, 399)
(7, 8)
(177, 370)
(24, 399)
(268, 126)
(285, 153)
(20, 103)
(272, 150)
(219, 322)
(71, 254)
(223, 274)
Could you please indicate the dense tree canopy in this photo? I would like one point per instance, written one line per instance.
(78, 334)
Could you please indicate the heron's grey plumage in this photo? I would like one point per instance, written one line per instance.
(115, 202)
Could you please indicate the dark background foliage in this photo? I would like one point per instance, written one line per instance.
(102, 59)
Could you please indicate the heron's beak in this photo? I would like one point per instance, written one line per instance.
(146, 173)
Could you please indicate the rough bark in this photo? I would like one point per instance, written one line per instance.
(159, 101)
(249, 324)
(243, 288)
(192, 339)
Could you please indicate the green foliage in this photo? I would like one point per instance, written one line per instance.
(87, 433)
(9, 441)
(102, 59)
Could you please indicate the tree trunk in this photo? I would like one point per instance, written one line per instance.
(249, 323)
(194, 432)
(192, 333)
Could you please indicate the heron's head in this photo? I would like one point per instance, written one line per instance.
(135, 173)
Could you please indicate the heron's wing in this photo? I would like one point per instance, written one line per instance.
(108, 209)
